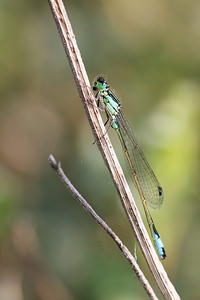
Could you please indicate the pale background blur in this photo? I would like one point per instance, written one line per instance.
(149, 52)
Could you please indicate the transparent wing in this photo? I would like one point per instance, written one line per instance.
(148, 182)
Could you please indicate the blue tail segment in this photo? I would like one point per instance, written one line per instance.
(158, 243)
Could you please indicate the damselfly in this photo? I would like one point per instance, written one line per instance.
(145, 180)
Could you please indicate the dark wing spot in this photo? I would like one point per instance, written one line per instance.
(160, 191)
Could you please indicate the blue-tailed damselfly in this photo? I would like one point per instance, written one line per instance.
(145, 180)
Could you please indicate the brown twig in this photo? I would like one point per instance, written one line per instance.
(106, 149)
(57, 167)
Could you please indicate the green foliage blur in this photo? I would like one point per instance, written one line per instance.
(149, 51)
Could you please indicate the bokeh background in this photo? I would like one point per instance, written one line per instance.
(149, 52)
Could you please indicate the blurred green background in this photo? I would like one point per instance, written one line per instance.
(149, 52)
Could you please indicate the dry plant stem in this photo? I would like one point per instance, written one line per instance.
(106, 149)
(57, 167)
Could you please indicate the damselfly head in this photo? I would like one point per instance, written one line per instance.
(101, 80)
(100, 84)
